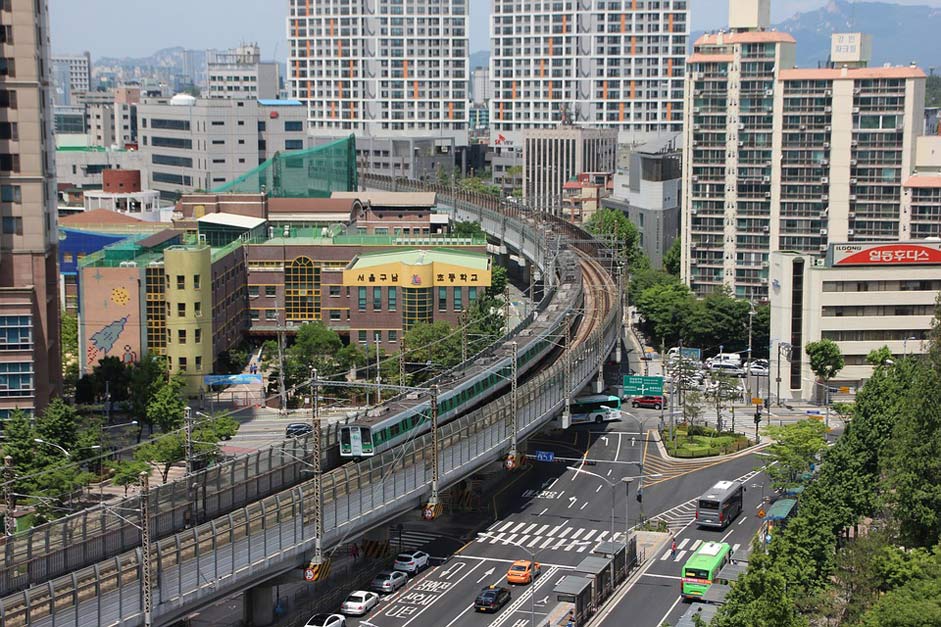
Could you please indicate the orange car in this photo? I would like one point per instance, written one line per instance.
(523, 571)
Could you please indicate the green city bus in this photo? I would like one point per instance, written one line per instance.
(702, 568)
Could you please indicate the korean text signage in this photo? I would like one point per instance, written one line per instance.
(886, 254)
(643, 386)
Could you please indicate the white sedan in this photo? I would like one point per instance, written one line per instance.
(326, 620)
(757, 370)
(359, 603)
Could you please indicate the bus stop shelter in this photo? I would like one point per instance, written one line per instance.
(600, 571)
(577, 591)
(623, 557)
(716, 594)
(705, 612)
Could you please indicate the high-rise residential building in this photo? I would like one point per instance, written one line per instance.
(789, 159)
(728, 152)
(382, 69)
(616, 64)
(70, 74)
(191, 143)
(481, 87)
(551, 157)
(241, 74)
(30, 362)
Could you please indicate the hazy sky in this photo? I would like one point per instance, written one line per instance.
(138, 27)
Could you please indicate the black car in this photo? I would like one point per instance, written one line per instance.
(491, 599)
(297, 429)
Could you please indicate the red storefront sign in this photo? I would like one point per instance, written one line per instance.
(887, 254)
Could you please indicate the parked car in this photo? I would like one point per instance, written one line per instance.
(491, 599)
(728, 368)
(523, 571)
(326, 620)
(648, 402)
(757, 370)
(297, 429)
(412, 562)
(359, 602)
(388, 581)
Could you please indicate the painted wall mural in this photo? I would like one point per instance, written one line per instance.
(110, 316)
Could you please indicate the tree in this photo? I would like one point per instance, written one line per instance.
(167, 407)
(724, 391)
(879, 356)
(761, 332)
(111, 378)
(664, 311)
(627, 237)
(498, 281)
(58, 424)
(164, 450)
(826, 360)
(933, 95)
(796, 446)
(436, 344)
(468, 229)
(644, 279)
(126, 473)
(672, 257)
(145, 378)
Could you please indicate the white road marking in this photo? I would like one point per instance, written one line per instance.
(661, 576)
(744, 518)
(530, 528)
(582, 548)
(584, 505)
(683, 543)
(577, 533)
(731, 531)
(679, 556)
(523, 540)
(553, 531)
(598, 489)
(618, 451)
(610, 471)
(669, 611)
(541, 530)
(588, 535)
(518, 527)
(601, 536)
(509, 539)
(535, 541)
(547, 542)
(549, 487)
(566, 531)
(523, 599)
(437, 598)
(665, 556)
(736, 547)
(695, 545)
(496, 538)
(507, 561)
(558, 544)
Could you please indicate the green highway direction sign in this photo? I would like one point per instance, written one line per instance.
(643, 386)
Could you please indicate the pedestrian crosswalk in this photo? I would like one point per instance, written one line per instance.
(411, 539)
(685, 548)
(539, 536)
(680, 516)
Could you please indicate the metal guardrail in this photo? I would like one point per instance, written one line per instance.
(251, 543)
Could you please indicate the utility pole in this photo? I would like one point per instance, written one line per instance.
(430, 510)
(317, 465)
(402, 366)
(9, 498)
(190, 496)
(282, 391)
(514, 404)
(567, 373)
(146, 575)
(506, 305)
(751, 315)
(378, 376)
(464, 336)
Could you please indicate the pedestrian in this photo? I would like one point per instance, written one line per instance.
(673, 548)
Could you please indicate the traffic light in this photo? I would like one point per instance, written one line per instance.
(640, 497)
(757, 416)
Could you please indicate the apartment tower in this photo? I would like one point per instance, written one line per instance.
(728, 156)
(381, 68)
(616, 64)
(30, 363)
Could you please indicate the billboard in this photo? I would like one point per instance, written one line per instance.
(887, 254)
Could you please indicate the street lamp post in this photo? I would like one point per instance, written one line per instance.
(751, 315)
(613, 484)
(905, 345)
(532, 559)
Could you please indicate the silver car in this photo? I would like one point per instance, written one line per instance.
(359, 602)
(388, 581)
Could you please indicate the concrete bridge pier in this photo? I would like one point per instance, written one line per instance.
(258, 608)
(599, 380)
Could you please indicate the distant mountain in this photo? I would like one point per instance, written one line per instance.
(901, 34)
(167, 57)
(481, 58)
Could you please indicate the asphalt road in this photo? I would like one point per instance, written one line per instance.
(559, 514)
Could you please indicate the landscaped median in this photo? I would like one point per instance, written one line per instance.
(693, 441)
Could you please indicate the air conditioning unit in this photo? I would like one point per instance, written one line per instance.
(692, 244)
(741, 143)
(852, 181)
(853, 161)
(828, 93)
(769, 92)
(824, 179)
(766, 228)
(827, 128)
(803, 127)
(695, 177)
(823, 247)
(694, 211)
(767, 194)
(828, 109)
(851, 214)
(855, 109)
(826, 144)
(858, 90)
(851, 232)
(764, 264)
(852, 196)
(764, 280)
(823, 231)
(695, 109)
(741, 126)
(854, 142)
(825, 162)
(824, 197)
(766, 179)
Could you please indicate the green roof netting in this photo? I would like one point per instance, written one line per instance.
(312, 173)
